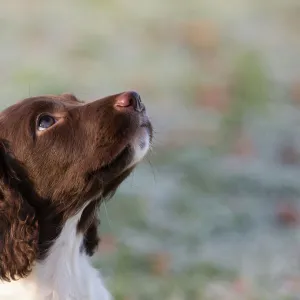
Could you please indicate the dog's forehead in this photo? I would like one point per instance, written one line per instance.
(30, 105)
(63, 100)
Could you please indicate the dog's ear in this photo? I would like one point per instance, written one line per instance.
(18, 225)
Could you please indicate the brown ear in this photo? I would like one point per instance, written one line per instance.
(18, 225)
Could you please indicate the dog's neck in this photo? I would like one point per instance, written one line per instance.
(64, 274)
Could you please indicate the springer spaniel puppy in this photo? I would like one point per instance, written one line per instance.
(59, 159)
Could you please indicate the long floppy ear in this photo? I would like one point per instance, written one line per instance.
(18, 225)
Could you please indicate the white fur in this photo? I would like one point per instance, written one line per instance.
(140, 151)
(66, 274)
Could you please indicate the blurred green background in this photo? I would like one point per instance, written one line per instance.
(214, 211)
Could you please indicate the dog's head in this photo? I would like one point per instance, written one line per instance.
(58, 155)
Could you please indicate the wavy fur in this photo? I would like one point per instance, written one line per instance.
(18, 225)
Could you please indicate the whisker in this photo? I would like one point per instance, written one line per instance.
(152, 169)
(108, 219)
(132, 178)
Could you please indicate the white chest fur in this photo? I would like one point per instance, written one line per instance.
(66, 273)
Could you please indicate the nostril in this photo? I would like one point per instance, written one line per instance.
(135, 96)
(124, 100)
(130, 100)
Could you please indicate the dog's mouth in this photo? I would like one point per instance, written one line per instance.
(129, 155)
(119, 161)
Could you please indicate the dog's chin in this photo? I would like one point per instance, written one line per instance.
(135, 150)
(139, 145)
(130, 155)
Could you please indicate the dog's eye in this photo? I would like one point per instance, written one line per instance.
(44, 122)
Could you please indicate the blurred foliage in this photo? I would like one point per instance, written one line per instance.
(134, 277)
(249, 96)
(250, 84)
(208, 220)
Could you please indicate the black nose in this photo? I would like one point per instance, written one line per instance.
(130, 100)
(136, 101)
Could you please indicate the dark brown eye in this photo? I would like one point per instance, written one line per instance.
(44, 122)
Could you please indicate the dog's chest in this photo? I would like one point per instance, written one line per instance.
(65, 274)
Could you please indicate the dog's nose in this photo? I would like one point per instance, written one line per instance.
(130, 100)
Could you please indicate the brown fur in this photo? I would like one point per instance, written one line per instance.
(46, 177)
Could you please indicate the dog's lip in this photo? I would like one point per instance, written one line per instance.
(127, 146)
(147, 124)
(121, 160)
(117, 158)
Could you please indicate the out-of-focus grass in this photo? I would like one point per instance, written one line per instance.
(134, 277)
(209, 235)
(201, 223)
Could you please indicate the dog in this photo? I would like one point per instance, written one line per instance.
(59, 159)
